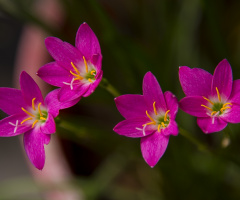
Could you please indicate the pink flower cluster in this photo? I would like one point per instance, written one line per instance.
(77, 71)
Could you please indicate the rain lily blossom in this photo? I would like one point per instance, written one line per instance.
(150, 116)
(213, 99)
(31, 115)
(76, 70)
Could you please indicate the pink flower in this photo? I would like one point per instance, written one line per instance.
(77, 70)
(150, 116)
(31, 115)
(213, 99)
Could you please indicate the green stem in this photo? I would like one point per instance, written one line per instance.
(107, 86)
(194, 140)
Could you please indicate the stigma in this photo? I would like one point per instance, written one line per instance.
(35, 115)
(218, 107)
(158, 119)
(81, 74)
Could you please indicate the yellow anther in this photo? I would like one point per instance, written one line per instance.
(149, 123)
(39, 110)
(74, 74)
(27, 112)
(93, 72)
(150, 117)
(207, 107)
(33, 105)
(208, 100)
(29, 118)
(224, 108)
(163, 124)
(159, 127)
(43, 118)
(165, 116)
(36, 121)
(154, 107)
(213, 113)
(74, 67)
(224, 105)
(85, 62)
(219, 97)
(90, 80)
(78, 78)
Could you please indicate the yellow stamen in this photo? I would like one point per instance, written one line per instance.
(33, 106)
(43, 118)
(149, 123)
(78, 78)
(163, 124)
(165, 117)
(213, 113)
(27, 112)
(224, 108)
(74, 74)
(208, 100)
(74, 67)
(90, 80)
(29, 118)
(40, 113)
(206, 107)
(154, 108)
(85, 62)
(219, 97)
(93, 72)
(150, 117)
(36, 121)
(224, 105)
(159, 127)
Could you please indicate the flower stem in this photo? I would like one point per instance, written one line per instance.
(107, 86)
(194, 140)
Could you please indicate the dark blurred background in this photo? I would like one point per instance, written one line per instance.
(135, 36)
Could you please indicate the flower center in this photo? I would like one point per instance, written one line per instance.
(160, 120)
(88, 75)
(37, 115)
(217, 108)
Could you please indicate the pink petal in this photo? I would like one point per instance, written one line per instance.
(63, 52)
(172, 103)
(195, 82)
(54, 105)
(131, 105)
(192, 106)
(172, 129)
(96, 60)
(66, 94)
(153, 147)
(30, 89)
(152, 92)
(54, 74)
(132, 128)
(8, 125)
(87, 42)
(222, 79)
(11, 101)
(210, 125)
(232, 115)
(93, 85)
(235, 95)
(34, 141)
(49, 126)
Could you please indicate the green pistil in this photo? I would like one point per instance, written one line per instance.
(90, 76)
(42, 118)
(217, 107)
(161, 121)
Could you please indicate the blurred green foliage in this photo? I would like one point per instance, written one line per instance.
(138, 36)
